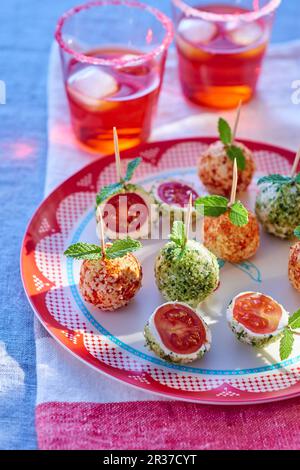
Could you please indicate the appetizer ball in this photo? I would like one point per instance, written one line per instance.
(294, 266)
(230, 242)
(256, 319)
(172, 196)
(215, 169)
(190, 276)
(278, 207)
(127, 213)
(110, 284)
(176, 333)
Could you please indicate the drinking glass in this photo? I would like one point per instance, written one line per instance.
(113, 55)
(221, 45)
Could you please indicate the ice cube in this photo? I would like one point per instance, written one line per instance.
(245, 34)
(197, 31)
(91, 86)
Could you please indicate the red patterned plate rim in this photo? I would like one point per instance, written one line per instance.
(37, 301)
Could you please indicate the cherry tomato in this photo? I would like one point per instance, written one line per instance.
(180, 328)
(125, 213)
(257, 312)
(176, 193)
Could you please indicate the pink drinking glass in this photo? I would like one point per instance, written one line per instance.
(221, 45)
(113, 54)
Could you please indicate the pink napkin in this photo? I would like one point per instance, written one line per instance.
(77, 407)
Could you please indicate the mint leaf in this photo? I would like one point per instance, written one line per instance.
(297, 232)
(224, 132)
(177, 235)
(294, 320)
(84, 251)
(286, 344)
(297, 178)
(108, 191)
(132, 166)
(236, 153)
(276, 179)
(120, 248)
(238, 214)
(211, 206)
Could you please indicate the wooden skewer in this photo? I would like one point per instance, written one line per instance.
(117, 154)
(189, 214)
(296, 163)
(102, 233)
(237, 119)
(234, 184)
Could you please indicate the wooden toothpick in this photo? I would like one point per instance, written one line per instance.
(296, 163)
(237, 119)
(189, 214)
(117, 154)
(234, 184)
(102, 233)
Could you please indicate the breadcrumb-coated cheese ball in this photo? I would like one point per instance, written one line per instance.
(230, 242)
(110, 284)
(294, 266)
(215, 169)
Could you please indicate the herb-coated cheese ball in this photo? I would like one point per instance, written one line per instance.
(177, 333)
(230, 242)
(256, 319)
(110, 284)
(190, 276)
(128, 212)
(294, 266)
(278, 207)
(215, 169)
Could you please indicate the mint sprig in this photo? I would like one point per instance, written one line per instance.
(233, 152)
(88, 251)
(287, 340)
(279, 179)
(238, 214)
(83, 251)
(115, 188)
(236, 153)
(224, 132)
(120, 248)
(131, 167)
(214, 206)
(297, 232)
(108, 191)
(178, 235)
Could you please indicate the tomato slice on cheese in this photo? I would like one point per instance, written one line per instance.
(176, 193)
(180, 328)
(257, 312)
(125, 213)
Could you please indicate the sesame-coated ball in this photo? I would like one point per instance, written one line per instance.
(215, 169)
(230, 242)
(110, 284)
(294, 266)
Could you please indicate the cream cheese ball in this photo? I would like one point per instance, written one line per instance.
(278, 207)
(230, 242)
(294, 266)
(110, 284)
(215, 169)
(188, 277)
(256, 319)
(176, 333)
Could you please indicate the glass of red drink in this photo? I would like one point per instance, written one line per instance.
(113, 55)
(221, 45)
